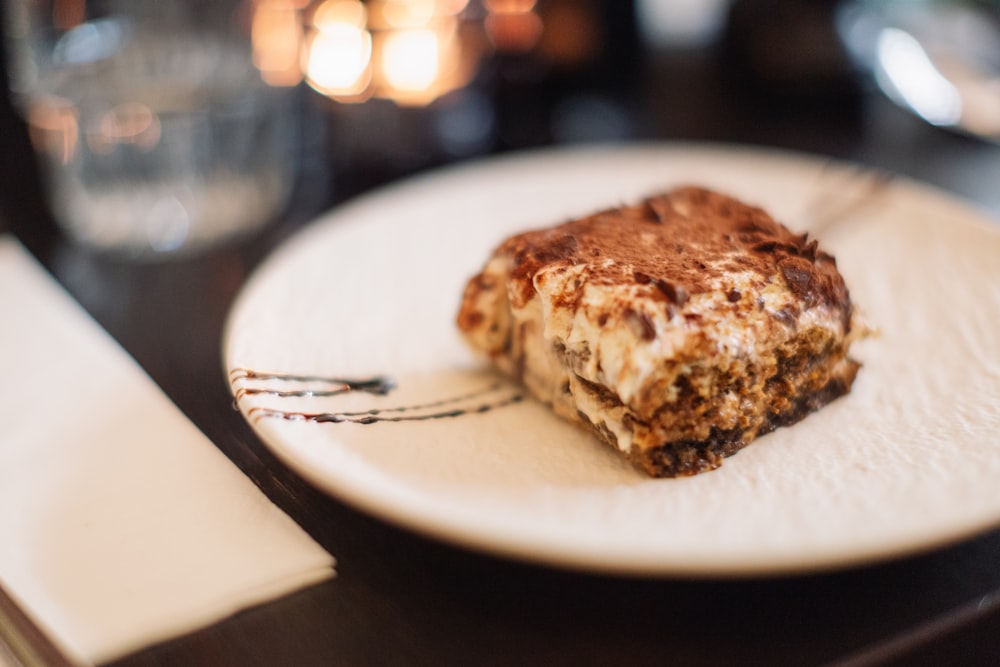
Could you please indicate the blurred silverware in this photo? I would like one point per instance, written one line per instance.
(939, 59)
(845, 194)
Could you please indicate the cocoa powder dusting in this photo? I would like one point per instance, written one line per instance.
(676, 245)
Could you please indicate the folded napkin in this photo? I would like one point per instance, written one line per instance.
(121, 524)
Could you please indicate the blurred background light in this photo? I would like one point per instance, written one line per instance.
(339, 50)
(906, 68)
(408, 51)
(277, 34)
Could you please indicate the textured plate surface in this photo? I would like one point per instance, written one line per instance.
(909, 460)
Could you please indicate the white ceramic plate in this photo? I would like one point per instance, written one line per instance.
(908, 461)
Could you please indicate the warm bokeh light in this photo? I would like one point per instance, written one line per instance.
(339, 51)
(339, 61)
(276, 35)
(333, 13)
(410, 51)
(403, 13)
(132, 123)
(513, 26)
(67, 14)
(53, 128)
(410, 60)
(509, 6)
(514, 33)
(389, 14)
(451, 7)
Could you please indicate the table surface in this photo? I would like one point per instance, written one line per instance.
(400, 598)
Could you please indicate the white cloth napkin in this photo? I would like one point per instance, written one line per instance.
(121, 524)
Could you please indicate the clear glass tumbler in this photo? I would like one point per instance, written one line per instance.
(155, 131)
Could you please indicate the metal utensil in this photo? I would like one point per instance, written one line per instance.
(940, 60)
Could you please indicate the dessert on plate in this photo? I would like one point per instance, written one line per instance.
(677, 329)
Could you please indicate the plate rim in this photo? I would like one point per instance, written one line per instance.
(527, 551)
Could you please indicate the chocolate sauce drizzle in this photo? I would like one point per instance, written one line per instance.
(378, 385)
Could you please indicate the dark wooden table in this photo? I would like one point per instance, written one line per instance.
(401, 599)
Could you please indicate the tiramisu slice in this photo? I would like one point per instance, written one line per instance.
(677, 330)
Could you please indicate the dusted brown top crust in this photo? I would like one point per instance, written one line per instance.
(678, 244)
(677, 329)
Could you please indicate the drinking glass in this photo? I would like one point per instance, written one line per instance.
(156, 134)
